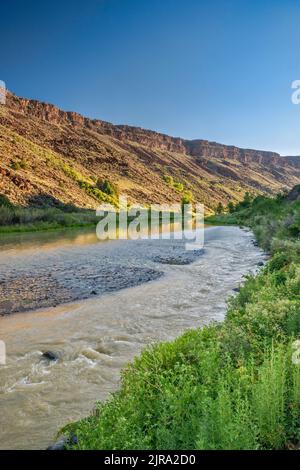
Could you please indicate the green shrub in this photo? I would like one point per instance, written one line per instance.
(4, 201)
(17, 218)
(106, 187)
(18, 165)
(219, 208)
(177, 185)
(169, 180)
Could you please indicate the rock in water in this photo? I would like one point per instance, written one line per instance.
(51, 356)
(64, 443)
(59, 445)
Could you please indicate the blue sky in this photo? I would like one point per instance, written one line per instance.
(217, 70)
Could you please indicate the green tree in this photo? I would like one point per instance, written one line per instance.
(247, 200)
(106, 187)
(231, 207)
(169, 180)
(220, 208)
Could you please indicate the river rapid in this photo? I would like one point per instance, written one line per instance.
(100, 304)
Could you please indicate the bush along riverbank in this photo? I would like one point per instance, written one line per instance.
(234, 385)
(53, 215)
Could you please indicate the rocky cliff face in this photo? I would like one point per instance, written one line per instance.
(44, 150)
(43, 111)
(151, 139)
(294, 160)
(213, 149)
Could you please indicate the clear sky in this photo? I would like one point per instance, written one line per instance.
(217, 70)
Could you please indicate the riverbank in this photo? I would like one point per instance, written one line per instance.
(44, 227)
(229, 386)
(54, 216)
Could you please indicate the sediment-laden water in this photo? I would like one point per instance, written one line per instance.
(136, 293)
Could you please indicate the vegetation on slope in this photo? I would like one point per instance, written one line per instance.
(44, 150)
(227, 386)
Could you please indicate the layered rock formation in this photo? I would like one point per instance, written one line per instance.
(46, 152)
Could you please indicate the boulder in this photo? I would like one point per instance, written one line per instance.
(51, 356)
